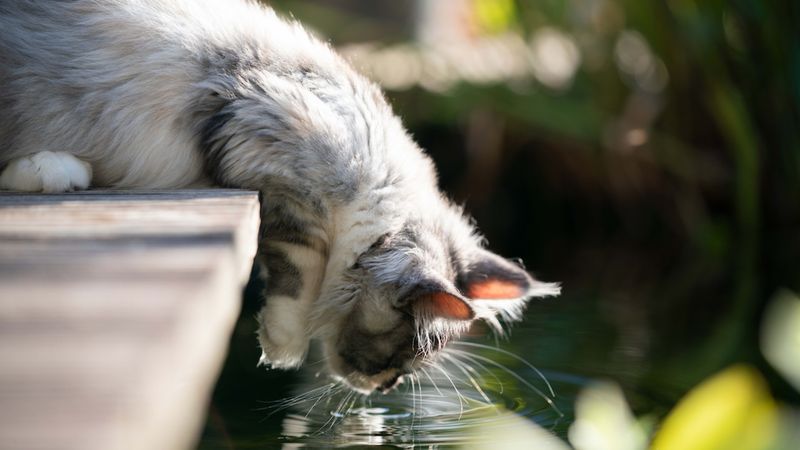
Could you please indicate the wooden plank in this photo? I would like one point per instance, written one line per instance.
(115, 312)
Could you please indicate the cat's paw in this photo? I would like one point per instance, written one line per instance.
(288, 355)
(49, 172)
(282, 334)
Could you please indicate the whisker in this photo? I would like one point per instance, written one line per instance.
(321, 360)
(427, 374)
(458, 393)
(282, 404)
(321, 396)
(422, 396)
(417, 354)
(334, 414)
(471, 379)
(350, 406)
(482, 367)
(513, 374)
(413, 402)
(515, 356)
(337, 414)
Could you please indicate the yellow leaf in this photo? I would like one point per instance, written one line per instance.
(731, 410)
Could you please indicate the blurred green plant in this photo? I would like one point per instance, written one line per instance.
(780, 336)
(732, 409)
(603, 421)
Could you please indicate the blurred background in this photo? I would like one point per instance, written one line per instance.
(644, 154)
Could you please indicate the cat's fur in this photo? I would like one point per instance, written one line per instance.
(360, 248)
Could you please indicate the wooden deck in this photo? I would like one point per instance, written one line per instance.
(115, 313)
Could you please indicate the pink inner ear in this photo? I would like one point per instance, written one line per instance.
(494, 289)
(442, 304)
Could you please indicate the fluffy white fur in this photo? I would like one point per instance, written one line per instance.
(49, 172)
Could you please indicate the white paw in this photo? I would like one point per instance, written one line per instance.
(282, 334)
(46, 172)
(280, 356)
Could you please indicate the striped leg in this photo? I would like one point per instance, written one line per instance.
(294, 255)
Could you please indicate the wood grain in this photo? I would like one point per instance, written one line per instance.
(115, 312)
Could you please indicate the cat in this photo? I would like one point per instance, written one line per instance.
(359, 247)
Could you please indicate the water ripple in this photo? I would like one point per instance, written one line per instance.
(432, 412)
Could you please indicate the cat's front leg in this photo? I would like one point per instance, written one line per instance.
(294, 271)
(49, 172)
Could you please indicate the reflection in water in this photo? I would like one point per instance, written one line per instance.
(468, 395)
(485, 390)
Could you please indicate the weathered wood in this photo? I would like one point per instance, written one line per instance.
(115, 312)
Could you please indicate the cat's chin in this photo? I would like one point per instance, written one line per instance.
(362, 383)
(382, 382)
(347, 381)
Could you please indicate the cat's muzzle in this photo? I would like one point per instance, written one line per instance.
(390, 384)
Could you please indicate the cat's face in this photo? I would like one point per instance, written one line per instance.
(411, 293)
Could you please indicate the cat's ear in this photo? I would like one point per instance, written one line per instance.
(444, 305)
(490, 277)
(437, 299)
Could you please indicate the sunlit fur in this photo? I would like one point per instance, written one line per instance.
(176, 93)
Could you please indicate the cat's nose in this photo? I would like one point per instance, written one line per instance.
(389, 384)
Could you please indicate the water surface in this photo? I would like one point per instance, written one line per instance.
(485, 383)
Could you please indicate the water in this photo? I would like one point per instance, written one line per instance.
(444, 407)
(486, 383)
(436, 409)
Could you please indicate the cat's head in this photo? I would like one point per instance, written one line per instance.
(413, 291)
